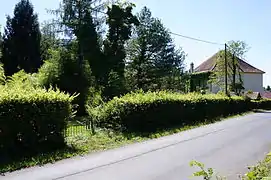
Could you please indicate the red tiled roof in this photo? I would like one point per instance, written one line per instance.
(210, 64)
(254, 95)
(266, 95)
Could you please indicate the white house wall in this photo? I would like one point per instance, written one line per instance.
(253, 81)
(214, 88)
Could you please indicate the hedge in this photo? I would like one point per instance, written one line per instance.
(262, 104)
(146, 112)
(32, 119)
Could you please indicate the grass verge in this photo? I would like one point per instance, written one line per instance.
(87, 143)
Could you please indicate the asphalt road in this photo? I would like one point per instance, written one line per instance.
(228, 147)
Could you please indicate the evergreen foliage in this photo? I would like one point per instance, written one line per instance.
(21, 40)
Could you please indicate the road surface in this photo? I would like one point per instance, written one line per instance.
(228, 147)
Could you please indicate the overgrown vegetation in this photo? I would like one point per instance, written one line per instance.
(261, 171)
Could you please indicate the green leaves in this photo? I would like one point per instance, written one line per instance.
(234, 52)
(153, 61)
(261, 170)
(120, 21)
(21, 42)
(148, 112)
(32, 119)
(2, 75)
(239, 48)
(206, 174)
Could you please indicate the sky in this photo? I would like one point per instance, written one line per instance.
(213, 20)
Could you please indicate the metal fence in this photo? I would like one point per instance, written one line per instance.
(77, 127)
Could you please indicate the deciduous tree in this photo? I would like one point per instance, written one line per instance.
(49, 39)
(235, 50)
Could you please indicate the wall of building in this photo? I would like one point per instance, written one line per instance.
(214, 88)
(253, 81)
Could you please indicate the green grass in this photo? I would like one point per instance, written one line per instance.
(85, 143)
(77, 145)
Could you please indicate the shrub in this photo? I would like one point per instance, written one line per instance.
(32, 120)
(145, 112)
(63, 71)
(260, 171)
(22, 80)
(2, 74)
(94, 98)
(262, 104)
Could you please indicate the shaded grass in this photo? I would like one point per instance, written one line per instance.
(85, 143)
(12, 164)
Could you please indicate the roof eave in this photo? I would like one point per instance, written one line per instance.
(260, 72)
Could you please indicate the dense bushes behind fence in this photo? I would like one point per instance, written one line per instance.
(32, 119)
(146, 112)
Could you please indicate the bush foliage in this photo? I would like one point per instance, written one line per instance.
(32, 119)
(261, 170)
(262, 104)
(63, 71)
(145, 112)
(155, 110)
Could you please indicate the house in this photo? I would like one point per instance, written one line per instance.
(253, 95)
(251, 76)
(266, 95)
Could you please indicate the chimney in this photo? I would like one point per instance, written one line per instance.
(191, 68)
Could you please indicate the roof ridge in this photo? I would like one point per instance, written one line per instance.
(210, 64)
(250, 64)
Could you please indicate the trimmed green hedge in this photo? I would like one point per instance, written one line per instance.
(262, 104)
(32, 119)
(146, 112)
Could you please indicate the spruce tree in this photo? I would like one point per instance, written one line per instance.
(21, 41)
(91, 48)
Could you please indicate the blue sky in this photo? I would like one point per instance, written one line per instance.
(217, 20)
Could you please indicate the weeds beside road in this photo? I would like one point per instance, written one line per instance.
(261, 171)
